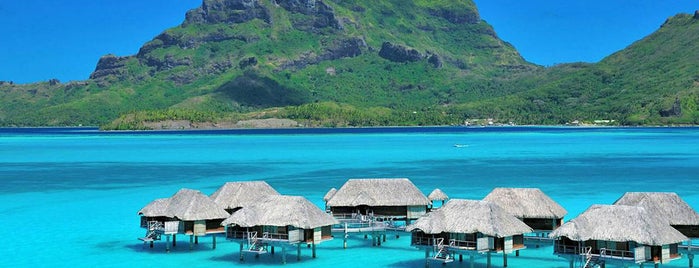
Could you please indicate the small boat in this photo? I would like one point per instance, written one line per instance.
(460, 145)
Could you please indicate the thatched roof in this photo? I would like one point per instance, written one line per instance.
(329, 194)
(619, 223)
(155, 208)
(526, 203)
(667, 205)
(470, 216)
(185, 205)
(437, 194)
(239, 194)
(378, 192)
(281, 210)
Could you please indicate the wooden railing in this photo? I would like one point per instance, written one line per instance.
(264, 236)
(236, 234)
(604, 252)
(275, 236)
(566, 249)
(462, 243)
(422, 241)
(429, 241)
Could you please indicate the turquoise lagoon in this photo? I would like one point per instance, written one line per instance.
(69, 197)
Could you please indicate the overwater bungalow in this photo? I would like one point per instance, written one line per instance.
(235, 195)
(669, 206)
(278, 221)
(188, 212)
(468, 227)
(391, 199)
(618, 234)
(375, 206)
(437, 195)
(532, 206)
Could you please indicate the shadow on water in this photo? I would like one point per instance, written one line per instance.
(266, 259)
(159, 247)
(109, 245)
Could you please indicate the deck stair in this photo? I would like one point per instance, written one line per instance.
(255, 245)
(154, 230)
(441, 251)
(591, 261)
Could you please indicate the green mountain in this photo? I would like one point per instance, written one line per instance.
(360, 63)
(653, 81)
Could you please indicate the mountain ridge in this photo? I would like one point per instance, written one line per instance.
(425, 63)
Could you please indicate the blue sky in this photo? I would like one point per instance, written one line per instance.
(44, 39)
(548, 32)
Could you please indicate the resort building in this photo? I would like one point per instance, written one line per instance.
(437, 195)
(235, 195)
(669, 206)
(188, 212)
(375, 206)
(532, 206)
(278, 221)
(618, 234)
(390, 199)
(468, 227)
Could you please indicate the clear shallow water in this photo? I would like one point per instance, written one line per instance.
(70, 197)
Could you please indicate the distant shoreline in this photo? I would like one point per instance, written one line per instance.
(328, 130)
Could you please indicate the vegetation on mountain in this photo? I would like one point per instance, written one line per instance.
(652, 82)
(362, 63)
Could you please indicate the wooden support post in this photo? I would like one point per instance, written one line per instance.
(283, 255)
(571, 263)
(427, 257)
(487, 264)
(298, 251)
(461, 257)
(272, 251)
(517, 253)
(191, 244)
(471, 258)
(384, 237)
(690, 254)
(167, 243)
(214, 241)
(504, 259)
(365, 236)
(241, 250)
(314, 250)
(151, 244)
(378, 240)
(196, 239)
(344, 241)
(174, 240)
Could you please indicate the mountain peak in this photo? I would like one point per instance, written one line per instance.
(241, 11)
(227, 11)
